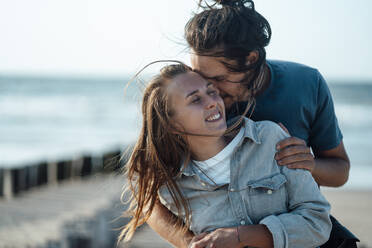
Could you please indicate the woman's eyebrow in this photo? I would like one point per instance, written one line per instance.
(192, 93)
(196, 91)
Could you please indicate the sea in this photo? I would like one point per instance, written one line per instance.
(52, 118)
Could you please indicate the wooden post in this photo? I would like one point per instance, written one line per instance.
(18, 179)
(42, 173)
(77, 165)
(31, 176)
(7, 184)
(82, 166)
(64, 170)
(97, 164)
(111, 161)
(87, 167)
(52, 172)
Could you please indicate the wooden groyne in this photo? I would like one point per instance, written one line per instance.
(67, 204)
(65, 215)
(20, 179)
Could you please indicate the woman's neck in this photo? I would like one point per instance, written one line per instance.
(203, 148)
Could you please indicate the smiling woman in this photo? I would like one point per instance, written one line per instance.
(220, 181)
(196, 106)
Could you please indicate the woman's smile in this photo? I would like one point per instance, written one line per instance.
(214, 117)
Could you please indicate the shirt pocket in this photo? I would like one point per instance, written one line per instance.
(266, 196)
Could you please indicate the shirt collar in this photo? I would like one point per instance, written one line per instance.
(187, 170)
(250, 129)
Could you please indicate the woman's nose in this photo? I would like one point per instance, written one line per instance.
(211, 102)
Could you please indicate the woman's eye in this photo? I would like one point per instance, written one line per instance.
(212, 92)
(196, 100)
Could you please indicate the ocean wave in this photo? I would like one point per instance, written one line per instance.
(64, 108)
(354, 115)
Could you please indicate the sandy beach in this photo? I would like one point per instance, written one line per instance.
(37, 216)
(353, 209)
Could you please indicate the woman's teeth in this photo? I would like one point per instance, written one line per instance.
(214, 117)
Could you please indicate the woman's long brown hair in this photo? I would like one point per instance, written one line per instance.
(157, 156)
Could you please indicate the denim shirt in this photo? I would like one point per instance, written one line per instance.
(287, 201)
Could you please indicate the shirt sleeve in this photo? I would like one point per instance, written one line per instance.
(325, 133)
(307, 223)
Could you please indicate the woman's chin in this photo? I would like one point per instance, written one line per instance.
(219, 130)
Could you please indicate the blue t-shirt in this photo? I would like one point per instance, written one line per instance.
(298, 97)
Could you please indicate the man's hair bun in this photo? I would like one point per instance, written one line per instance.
(235, 3)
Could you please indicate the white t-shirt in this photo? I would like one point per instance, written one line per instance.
(217, 168)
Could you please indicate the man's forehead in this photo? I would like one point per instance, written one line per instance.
(210, 75)
(206, 66)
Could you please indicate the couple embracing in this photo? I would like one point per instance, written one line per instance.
(233, 149)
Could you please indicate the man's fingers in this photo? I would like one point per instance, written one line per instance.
(307, 165)
(194, 243)
(211, 245)
(292, 150)
(291, 141)
(296, 158)
(200, 236)
(200, 241)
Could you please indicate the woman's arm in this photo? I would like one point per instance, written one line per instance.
(166, 224)
(235, 237)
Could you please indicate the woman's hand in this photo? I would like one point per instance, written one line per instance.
(294, 153)
(220, 238)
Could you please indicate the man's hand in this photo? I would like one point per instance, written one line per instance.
(329, 167)
(294, 153)
(220, 238)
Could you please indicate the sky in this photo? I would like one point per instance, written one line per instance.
(118, 37)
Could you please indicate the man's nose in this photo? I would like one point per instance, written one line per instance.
(215, 83)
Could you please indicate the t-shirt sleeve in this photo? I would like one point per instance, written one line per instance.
(325, 133)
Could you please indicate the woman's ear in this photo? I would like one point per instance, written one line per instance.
(252, 57)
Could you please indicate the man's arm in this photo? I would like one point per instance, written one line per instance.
(166, 224)
(329, 168)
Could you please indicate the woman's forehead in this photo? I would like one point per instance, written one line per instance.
(185, 83)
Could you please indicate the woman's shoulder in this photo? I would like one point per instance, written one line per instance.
(265, 129)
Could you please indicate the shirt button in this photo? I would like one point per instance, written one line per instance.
(269, 191)
(242, 222)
